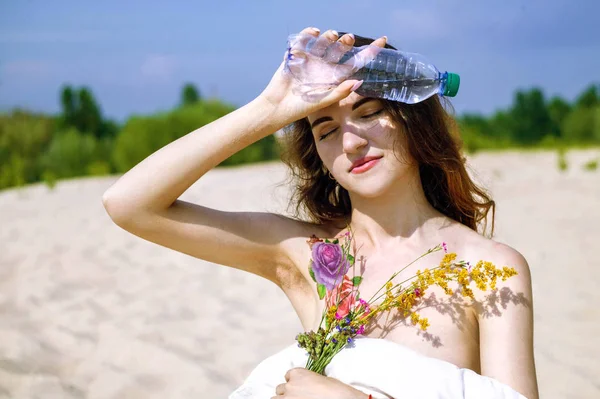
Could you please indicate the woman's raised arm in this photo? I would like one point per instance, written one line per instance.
(144, 201)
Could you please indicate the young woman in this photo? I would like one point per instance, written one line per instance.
(391, 172)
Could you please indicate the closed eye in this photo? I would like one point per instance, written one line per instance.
(327, 134)
(371, 115)
(362, 117)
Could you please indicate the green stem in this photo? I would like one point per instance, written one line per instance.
(318, 365)
(400, 271)
(410, 278)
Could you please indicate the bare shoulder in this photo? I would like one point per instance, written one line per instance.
(481, 248)
(473, 247)
(505, 315)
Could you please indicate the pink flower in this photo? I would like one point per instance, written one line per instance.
(361, 330)
(329, 264)
(365, 304)
(346, 298)
(445, 247)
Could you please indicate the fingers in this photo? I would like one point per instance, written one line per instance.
(381, 42)
(330, 47)
(301, 40)
(280, 389)
(324, 41)
(337, 49)
(294, 57)
(310, 31)
(347, 39)
(297, 44)
(342, 91)
(367, 55)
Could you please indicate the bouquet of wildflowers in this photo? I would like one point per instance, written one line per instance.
(346, 314)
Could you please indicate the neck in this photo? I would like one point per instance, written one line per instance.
(400, 214)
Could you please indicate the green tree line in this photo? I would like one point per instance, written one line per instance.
(80, 141)
(535, 121)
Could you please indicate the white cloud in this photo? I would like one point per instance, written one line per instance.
(158, 66)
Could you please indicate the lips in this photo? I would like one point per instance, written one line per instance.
(362, 161)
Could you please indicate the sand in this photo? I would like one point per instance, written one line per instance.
(88, 310)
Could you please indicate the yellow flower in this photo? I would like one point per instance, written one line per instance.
(405, 302)
(467, 292)
(414, 318)
(448, 259)
(508, 272)
(424, 279)
(463, 277)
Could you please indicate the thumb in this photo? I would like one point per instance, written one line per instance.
(343, 90)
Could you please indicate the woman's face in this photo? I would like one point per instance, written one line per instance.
(355, 139)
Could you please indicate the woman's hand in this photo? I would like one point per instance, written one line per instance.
(288, 97)
(304, 384)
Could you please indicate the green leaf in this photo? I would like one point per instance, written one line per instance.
(336, 241)
(312, 273)
(351, 259)
(327, 241)
(322, 290)
(356, 280)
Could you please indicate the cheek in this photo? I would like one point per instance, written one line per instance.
(384, 132)
(321, 152)
(328, 151)
(397, 142)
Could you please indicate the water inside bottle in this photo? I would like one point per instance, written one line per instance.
(404, 90)
(397, 78)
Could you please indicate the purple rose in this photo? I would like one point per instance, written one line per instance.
(329, 264)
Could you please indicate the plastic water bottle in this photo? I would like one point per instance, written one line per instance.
(390, 74)
(401, 76)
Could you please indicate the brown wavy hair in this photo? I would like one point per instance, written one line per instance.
(432, 140)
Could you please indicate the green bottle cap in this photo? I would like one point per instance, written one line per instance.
(452, 83)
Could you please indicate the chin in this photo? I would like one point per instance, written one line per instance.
(369, 189)
(378, 184)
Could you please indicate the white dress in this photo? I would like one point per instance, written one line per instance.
(381, 368)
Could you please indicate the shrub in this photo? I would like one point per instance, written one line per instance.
(69, 154)
(591, 165)
(562, 160)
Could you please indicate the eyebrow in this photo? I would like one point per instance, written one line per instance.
(354, 106)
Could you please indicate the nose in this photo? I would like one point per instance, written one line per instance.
(352, 140)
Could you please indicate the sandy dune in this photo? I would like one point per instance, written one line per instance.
(89, 311)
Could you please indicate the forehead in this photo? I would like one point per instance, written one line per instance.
(345, 103)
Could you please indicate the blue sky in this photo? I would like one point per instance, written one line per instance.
(136, 55)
